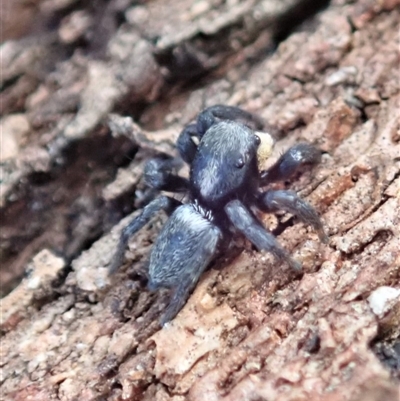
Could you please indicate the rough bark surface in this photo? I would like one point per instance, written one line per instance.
(71, 165)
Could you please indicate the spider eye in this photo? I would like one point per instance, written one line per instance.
(240, 163)
(242, 160)
(258, 140)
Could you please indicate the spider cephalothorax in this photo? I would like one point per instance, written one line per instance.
(224, 149)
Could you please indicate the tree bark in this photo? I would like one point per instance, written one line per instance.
(97, 89)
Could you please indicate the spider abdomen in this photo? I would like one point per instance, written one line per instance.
(187, 242)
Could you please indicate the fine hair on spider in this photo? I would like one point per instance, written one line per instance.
(225, 149)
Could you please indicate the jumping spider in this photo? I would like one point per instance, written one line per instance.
(223, 149)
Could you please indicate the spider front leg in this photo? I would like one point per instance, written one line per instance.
(159, 173)
(289, 201)
(249, 226)
(294, 158)
(161, 203)
(211, 115)
(186, 146)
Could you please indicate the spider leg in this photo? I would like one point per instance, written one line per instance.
(248, 225)
(294, 158)
(213, 114)
(180, 295)
(289, 201)
(158, 174)
(161, 203)
(186, 147)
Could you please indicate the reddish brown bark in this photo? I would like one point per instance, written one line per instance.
(250, 330)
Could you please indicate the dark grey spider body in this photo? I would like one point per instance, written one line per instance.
(223, 188)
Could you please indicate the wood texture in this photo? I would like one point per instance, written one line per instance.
(71, 168)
